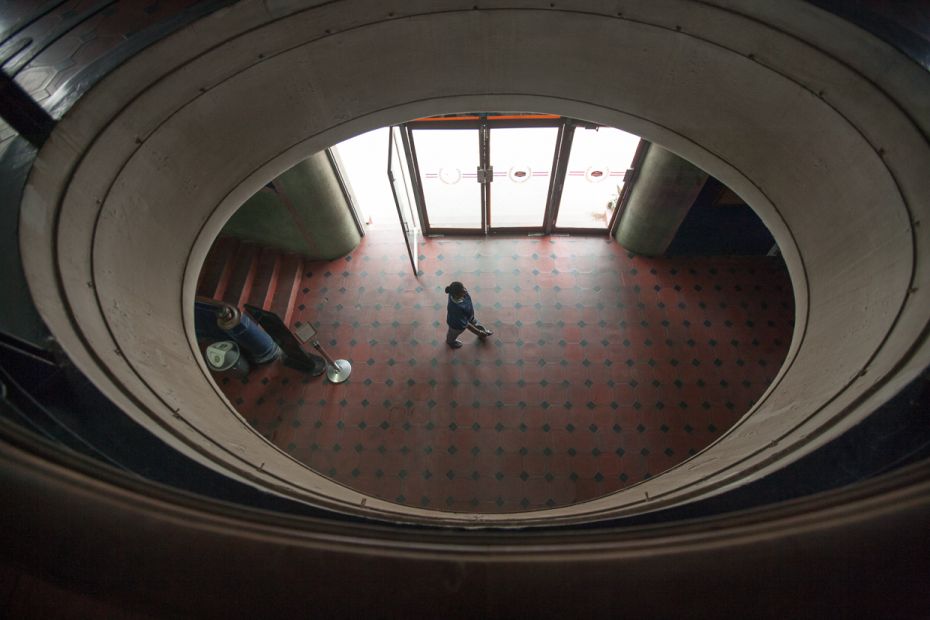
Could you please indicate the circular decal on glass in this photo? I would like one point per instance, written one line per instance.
(520, 174)
(596, 174)
(450, 176)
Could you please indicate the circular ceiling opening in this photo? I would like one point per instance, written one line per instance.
(139, 177)
(604, 368)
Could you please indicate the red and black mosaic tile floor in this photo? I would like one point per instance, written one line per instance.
(604, 369)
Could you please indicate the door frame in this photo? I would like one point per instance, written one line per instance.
(455, 122)
(521, 122)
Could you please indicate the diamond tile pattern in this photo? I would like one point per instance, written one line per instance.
(604, 370)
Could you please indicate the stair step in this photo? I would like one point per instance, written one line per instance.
(295, 292)
(246, 290)
(273, 282)
(242, 264)
(220, 253)
(286, 298)
(290, 269)
(264, 264)
(222, 284)
(241, 272)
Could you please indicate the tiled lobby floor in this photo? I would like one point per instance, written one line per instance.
(604, 369)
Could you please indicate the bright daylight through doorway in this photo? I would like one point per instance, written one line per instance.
(545, 173)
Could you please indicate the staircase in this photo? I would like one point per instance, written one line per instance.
(242, 272)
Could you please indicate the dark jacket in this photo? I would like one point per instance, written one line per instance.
(460, 313)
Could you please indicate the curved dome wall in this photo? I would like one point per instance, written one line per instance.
(814, 123)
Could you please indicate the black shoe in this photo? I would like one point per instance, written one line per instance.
(455, 344)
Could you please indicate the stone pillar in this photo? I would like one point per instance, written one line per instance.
(306, 213)
(660, 198)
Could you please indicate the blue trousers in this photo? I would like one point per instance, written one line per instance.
(452, 334)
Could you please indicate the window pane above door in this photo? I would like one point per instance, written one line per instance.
(448, 161)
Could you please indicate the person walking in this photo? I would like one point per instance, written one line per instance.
(460, 315)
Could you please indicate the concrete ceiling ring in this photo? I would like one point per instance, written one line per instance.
(183, 553)
(878, 498)
(788, 109)
(453, 103)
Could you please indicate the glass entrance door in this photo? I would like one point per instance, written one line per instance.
(595, 177)
(403, 190)
(476, 174)
(448, 161)
(521, 159)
